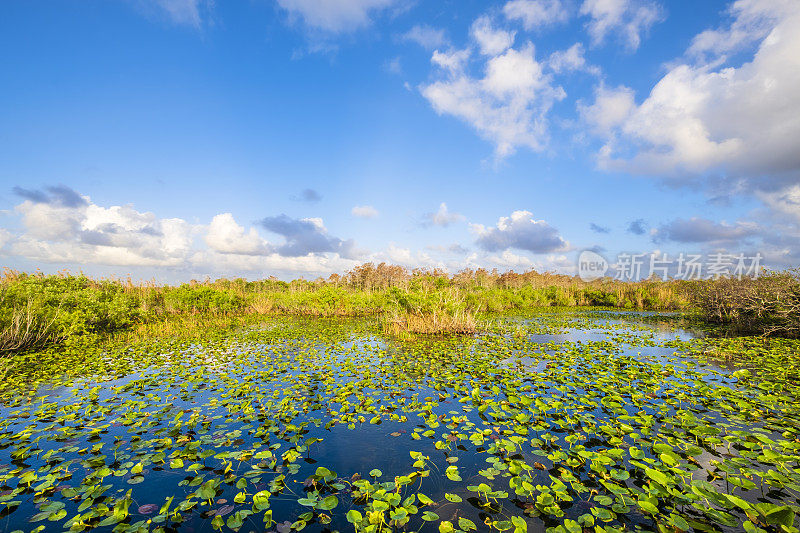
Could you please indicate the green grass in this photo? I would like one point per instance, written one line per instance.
(38, 310)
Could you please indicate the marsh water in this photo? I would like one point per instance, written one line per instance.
(570, 421)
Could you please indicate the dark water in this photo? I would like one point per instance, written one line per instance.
(285, 390)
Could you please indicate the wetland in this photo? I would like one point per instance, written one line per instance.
(558, 420)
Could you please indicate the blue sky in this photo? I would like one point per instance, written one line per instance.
(178, 139)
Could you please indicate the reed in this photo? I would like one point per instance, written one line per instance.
(443, 312)
(37, 310)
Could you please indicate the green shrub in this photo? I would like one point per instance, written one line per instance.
(202, 299)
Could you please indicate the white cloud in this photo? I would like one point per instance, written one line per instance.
(752, 21)
(364, 211)
(48, 221)
(611, 108)
(453, 61)
(225, 236)
(5, 237)
(536, 13)
(335, 16)
(509, 259)
(628, 19)
(426, 36)
(785, 202)
(59, 226)
(217, 263)
(507, 106)
(571, 59)
(443, 217)
(491, 41)
(520, 231)
(738, 122)
(401, 256)
(88, 233)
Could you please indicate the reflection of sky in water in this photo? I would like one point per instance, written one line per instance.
(385, 446)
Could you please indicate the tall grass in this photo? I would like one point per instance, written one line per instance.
(438, 312)
(28, 326)
(37, 310)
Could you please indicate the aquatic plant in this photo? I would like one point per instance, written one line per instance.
(562, 421)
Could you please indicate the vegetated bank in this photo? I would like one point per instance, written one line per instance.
(767, 305)
(38, 310)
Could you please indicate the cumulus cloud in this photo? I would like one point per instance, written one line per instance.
(776, 238)
(442, 217)
(426, 36)
(736, 123)
(60, 226)
(611, 108)
(520, 231)
(508, 104)
(752, 21)
(627, 19)
(452, 61)
(703, 230)
(570, 60)
(784, 202)
(336, 16)
(535, 14)
(364, 211)
(491, 41)
(225, 236)
(306, 236)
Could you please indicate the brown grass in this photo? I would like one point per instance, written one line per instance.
(458, 323)
(27, 328)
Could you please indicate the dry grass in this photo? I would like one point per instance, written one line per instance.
(27, 327)
(459, 323)
(262, 306)
(431, 313)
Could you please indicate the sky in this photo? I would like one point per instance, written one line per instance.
(184, 139)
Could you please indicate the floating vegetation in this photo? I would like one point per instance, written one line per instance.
(565, 422)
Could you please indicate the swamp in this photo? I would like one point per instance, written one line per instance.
(552, 419)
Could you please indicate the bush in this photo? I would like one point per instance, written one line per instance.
(769, 304)
(202, 299)
(37, 310)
